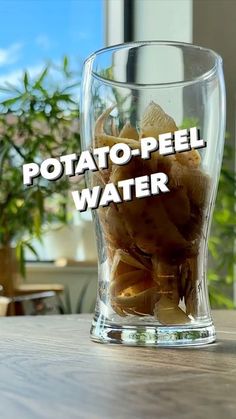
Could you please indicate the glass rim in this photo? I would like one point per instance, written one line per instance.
(127, 45)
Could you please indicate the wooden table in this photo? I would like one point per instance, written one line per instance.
(50, 369)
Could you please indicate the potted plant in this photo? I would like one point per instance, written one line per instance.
(38, 119)
(222, 259)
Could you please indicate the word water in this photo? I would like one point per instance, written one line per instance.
(139, 187)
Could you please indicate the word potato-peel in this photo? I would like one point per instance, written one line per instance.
(120, 153)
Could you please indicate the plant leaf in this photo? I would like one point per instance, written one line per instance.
(26, 80)
(31, 248)
(65, 64)
(20, 254)
(11, 101)
(38, 82)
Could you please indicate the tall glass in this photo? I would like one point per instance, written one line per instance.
(152, 251)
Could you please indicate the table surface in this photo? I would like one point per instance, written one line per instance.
(50, 369)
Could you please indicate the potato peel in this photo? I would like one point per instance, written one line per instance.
(163, 231)
(128, 131)
(168, 314)
(155, 122)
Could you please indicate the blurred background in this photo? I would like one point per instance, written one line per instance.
(48, 253)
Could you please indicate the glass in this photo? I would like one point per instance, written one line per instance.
(152, 287)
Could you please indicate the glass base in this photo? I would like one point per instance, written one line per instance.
(150, 335)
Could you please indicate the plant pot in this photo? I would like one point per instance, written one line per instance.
(87, 242)
(4, 302)
(8, 277)
(62, 242)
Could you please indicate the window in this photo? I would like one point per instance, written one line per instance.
(34, 31)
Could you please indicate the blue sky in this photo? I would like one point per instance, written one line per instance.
(33, 31)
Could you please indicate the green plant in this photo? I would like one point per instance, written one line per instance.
(38, 119)
(222, 238)
(221, 243)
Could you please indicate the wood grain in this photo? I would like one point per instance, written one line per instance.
(50, 369)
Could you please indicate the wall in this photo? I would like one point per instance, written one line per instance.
(79, 281)
(169, 20)
(153, 19)
(214, 27)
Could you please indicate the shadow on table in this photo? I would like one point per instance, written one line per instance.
(221, 346)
